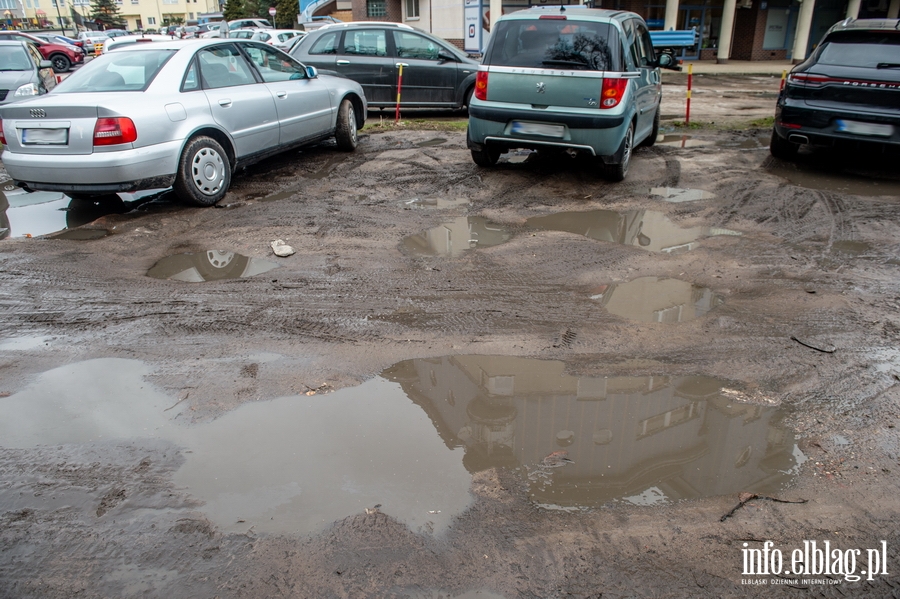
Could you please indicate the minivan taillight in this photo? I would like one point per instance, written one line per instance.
(481, 80)
(112, 131)
(2, 135)
(612, 92)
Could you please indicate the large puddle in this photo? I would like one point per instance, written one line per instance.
(38, 213)
(655, 299)
(645, 229)
(407, 442)
(211, 265)
(454, 237)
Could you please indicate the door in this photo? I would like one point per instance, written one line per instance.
(364, 58)
(649, 90)
(241, 105)
(428, 79)
(303, 105)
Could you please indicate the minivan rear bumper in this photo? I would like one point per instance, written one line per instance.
(600, 135)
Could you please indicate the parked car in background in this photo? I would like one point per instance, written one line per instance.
(435, 73)
(182, 113)
(564, 78)
(190, 32)
(89, 38)
(63, 56)
(61, 39)
(276, 37)
(242, 34)
(316, 22)
(123, 41)
(24, 73)
(249, 24)
(116, 32)
(291, 43)
(846, 93)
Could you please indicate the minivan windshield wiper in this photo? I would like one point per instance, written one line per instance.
(888, 65)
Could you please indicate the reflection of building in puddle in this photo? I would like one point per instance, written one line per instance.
(676, 194)
(211, 265)
(646, 229)
(654, 299)
(454, 237)
(36, 213)
(643, 439)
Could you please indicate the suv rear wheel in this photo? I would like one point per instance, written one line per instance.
(782, 148)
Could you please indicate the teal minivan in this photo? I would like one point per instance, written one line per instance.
(577, 79)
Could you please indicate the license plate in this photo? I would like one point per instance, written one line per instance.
(45, 136)
(538, 129)
(858, 128)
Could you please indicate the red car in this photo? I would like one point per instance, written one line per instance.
(62, 57)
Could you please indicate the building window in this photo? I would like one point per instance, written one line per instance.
(376, 8)
(412, 9)
(135, 1)
(151, 20)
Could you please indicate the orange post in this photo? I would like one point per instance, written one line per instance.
(783, 78)
(687, 111)
(399, 87)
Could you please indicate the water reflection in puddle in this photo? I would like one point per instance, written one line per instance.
(438, 203)
(431, 142)
(211, 265)
(681, 141)
(677, 194)
(289, 465)
(409, 439)
(851, 248)
(654, 299)
(457, 236)
(37, 213)
(641, 439)
(646, 229)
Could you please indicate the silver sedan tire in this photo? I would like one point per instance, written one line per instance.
(204, 173)
(345, 131)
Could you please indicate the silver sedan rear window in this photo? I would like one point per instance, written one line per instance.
(120, 71)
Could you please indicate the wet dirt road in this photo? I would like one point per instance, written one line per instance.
(517, 382)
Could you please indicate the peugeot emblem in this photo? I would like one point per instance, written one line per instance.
(37, 113)
(540, 87)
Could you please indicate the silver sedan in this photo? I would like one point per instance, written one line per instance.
(184, 114)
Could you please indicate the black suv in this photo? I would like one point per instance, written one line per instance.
(847, 91)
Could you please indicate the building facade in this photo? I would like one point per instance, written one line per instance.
(137, 14)
(728, 29)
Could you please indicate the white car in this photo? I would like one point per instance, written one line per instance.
(126, 40)
(277, 37)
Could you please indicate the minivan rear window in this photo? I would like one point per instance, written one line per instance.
(861, 49)
(555, 43)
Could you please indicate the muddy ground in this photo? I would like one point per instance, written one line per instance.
(121, 391)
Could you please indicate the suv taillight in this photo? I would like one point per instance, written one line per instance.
(481, 80)
(2, 134)
(112, 131)
(612, 92)
(807, 80)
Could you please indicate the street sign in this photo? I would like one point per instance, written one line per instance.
(272, 11)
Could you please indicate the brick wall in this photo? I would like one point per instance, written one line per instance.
(394, 12)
